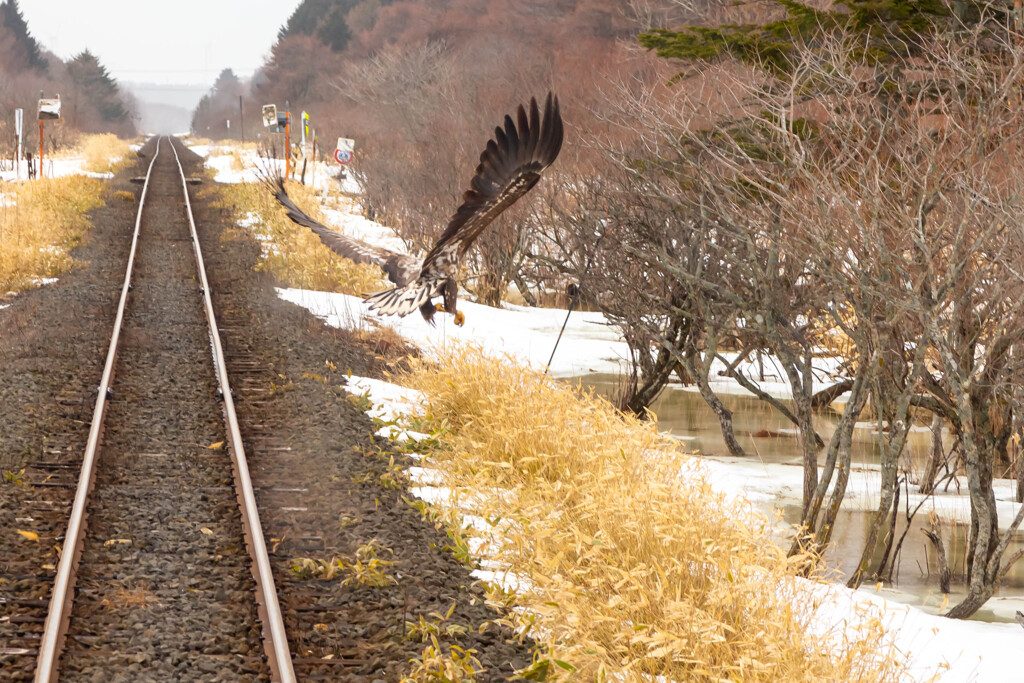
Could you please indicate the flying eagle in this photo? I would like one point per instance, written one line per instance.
(510, 165)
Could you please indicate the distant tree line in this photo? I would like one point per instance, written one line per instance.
(323, 39)
(221, 105)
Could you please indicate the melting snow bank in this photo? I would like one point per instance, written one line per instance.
(957, 650)
(782, 483)
(589, 345)
(961, 650)
(53, 168)
(390, 401)
(234, 164)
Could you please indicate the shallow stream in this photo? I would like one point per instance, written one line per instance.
(769, 438)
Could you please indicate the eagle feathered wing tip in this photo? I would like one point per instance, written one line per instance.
(399, 301)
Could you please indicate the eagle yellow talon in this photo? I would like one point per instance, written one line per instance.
(439, 308)
(460, 318)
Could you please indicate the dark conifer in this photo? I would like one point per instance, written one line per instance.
(307, 17)
(14, 22)
(98, 88)
(334, 31)
(889, 30)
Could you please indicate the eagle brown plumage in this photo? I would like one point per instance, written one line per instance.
(510, 165)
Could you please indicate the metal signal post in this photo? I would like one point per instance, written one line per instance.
(19, 126)
(288, 145)
(48, 109)
(277, 122)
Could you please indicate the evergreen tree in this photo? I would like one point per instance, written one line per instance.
(218, 106)
(12, 19)
(98, 88)
(889, 29)
(334, 31)
(227, 84)
(201, 114)
(306, 18)
(324, 19)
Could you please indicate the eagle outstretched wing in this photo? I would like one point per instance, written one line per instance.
(509, 166)
(400, 268)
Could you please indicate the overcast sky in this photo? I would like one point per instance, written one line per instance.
(185, 42)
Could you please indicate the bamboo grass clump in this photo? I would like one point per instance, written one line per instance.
(104, 153)
(629, 566)
(291, 253)
(40, 223)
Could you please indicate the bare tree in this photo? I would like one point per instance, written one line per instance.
(863, 198)
(913, 212)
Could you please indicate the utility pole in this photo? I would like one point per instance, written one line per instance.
(241, 119)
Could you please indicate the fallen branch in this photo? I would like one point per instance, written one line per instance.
(829, 394)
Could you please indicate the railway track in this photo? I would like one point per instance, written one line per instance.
(164, 590)
(170, 578)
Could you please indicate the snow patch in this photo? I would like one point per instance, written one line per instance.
(52, 168)
(589, 344)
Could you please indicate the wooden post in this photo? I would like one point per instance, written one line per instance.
(40, 148)
(241, 119)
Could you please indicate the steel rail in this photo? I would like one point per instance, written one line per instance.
(59, 612)
(275, 639)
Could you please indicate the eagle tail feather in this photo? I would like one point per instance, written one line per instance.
(400, 301)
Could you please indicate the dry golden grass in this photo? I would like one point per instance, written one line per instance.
(629, 566)
(242, 153)
(40, 222)
(104, 153)
(292, 253)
